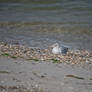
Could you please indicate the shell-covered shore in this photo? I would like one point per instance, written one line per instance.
(38, 54)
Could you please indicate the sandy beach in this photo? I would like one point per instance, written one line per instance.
(24, 74)
(45, 45)
(31, 76)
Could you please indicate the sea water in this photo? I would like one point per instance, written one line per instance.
(40, 23)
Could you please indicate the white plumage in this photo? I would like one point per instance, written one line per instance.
(56, 49)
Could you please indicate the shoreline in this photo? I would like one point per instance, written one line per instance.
(29, 69)
(38, 54)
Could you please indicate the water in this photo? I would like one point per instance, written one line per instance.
(40, 23)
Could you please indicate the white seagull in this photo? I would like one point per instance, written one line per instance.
(56, 49)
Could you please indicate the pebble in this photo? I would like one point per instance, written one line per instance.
(70, 56)
(88, 62)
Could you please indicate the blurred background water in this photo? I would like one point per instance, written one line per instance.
(41, 23)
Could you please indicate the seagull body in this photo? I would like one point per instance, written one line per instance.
(56, 49)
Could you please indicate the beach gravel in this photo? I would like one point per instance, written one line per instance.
(26, 69)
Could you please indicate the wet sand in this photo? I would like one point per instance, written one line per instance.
(44, 76)
(29, 69)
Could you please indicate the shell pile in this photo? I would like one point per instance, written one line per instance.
(73, 56)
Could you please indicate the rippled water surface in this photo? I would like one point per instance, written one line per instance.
(43, 22)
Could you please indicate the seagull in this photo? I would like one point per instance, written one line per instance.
(56, 49)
